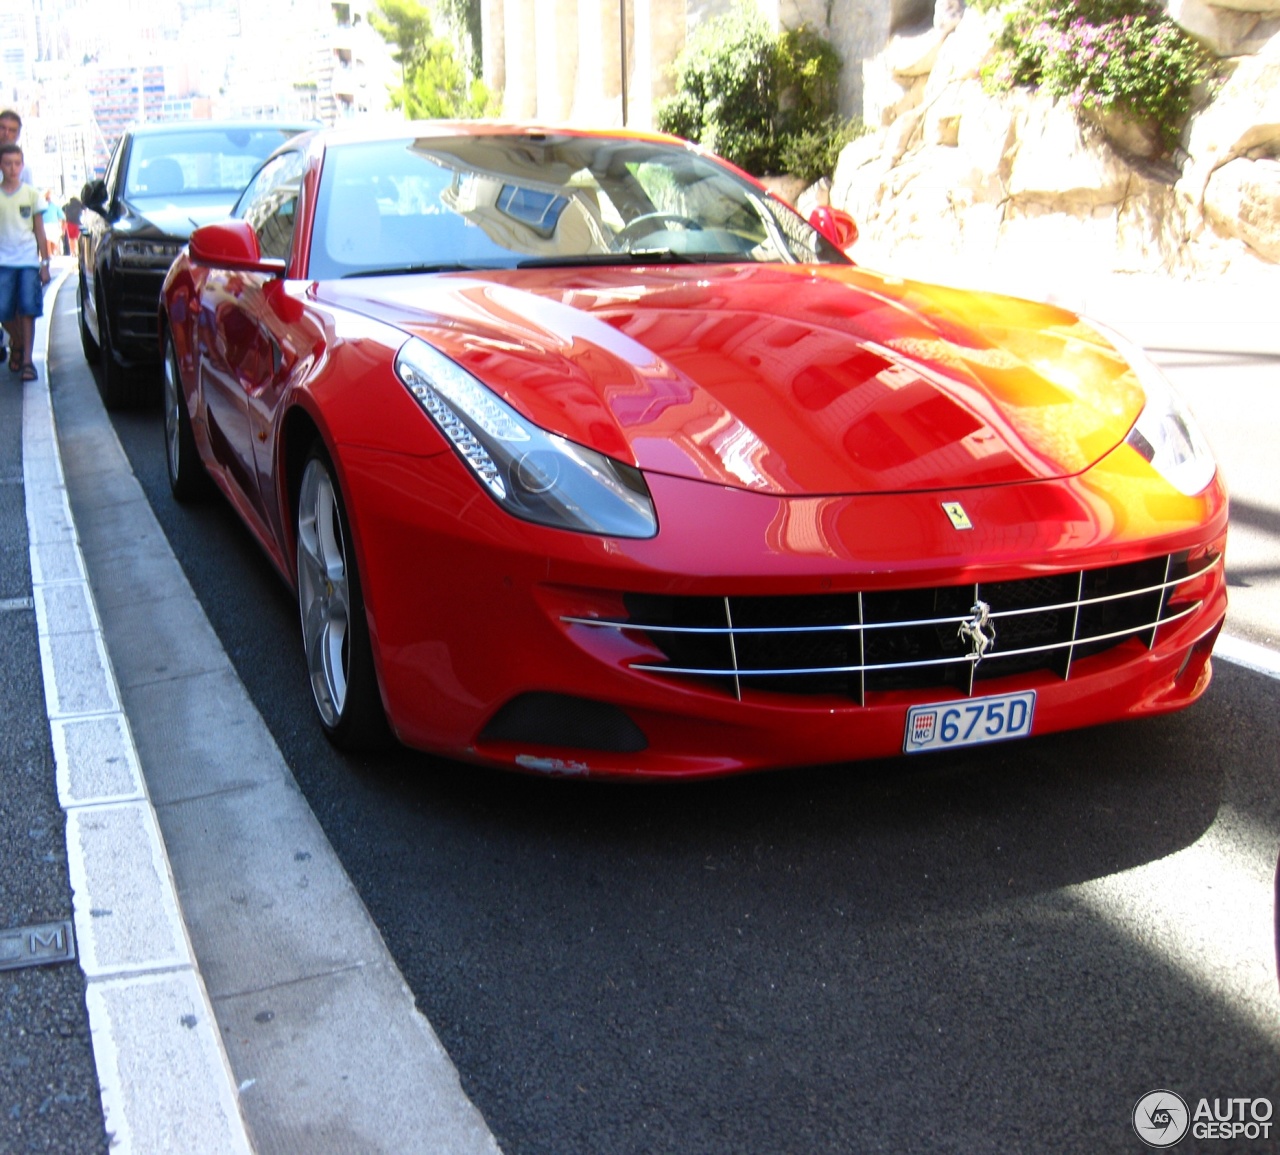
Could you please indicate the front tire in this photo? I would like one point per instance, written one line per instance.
(188, 480)
(335, 631)
(92, 350)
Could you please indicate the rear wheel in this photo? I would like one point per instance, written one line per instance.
(335, 632)
(187, 477)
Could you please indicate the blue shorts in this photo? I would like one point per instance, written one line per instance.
(21, 294)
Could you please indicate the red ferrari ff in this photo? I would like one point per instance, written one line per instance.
(586, 455)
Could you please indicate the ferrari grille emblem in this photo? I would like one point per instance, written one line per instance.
(955, 511)
(979, 631)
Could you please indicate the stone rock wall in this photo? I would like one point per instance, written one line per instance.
(954, 176)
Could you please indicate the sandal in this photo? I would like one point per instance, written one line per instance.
(29, 373)
(15, 359)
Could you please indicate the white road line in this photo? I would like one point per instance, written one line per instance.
(1252, 656)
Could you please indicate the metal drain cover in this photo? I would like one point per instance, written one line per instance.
(30, 946)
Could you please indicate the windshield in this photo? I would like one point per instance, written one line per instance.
(198, 160)
(493, 201)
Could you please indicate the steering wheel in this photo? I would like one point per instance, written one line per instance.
(648, 223)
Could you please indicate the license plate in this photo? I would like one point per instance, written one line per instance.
(946, 725)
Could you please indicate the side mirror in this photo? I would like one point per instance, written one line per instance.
(94, 195)
(836, 225)
(232, 245)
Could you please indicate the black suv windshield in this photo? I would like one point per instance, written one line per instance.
(198, 160)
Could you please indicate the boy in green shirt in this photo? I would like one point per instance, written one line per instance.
(24, 269)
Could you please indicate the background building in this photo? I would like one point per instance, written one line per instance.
(79, 71)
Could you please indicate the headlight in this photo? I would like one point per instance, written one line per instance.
(532, 474)
(1165, 433)
(148, 254)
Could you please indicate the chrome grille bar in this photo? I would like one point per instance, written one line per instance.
(1075, 625)
(974, 658)
(733, 651)
(862, 655)
(1164, 593)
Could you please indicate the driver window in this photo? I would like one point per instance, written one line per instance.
(271, 202)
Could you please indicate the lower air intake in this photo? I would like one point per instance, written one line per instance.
(545, 719)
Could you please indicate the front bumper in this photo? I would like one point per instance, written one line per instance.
(486, 651)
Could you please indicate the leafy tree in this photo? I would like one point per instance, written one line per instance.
(404, 23)
(438, 87)
(465, 16)
(433, 83)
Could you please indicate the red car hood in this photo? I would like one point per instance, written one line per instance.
(787, 380)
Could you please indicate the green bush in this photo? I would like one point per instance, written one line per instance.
(813, 153)
(765, 102)
(1123, 56)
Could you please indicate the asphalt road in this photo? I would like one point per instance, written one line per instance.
(990, 950)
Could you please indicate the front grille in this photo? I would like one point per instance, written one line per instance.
(136, 298)
(945, 636)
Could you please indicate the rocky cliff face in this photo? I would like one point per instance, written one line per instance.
(954, 177)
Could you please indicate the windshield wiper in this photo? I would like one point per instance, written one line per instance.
(637, 257)
(437, 267)
(568, 261)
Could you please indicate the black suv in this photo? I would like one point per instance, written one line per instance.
(163, 180)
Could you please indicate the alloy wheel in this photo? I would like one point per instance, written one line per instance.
(324, 600)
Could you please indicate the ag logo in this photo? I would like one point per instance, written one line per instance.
(1161, 1118)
